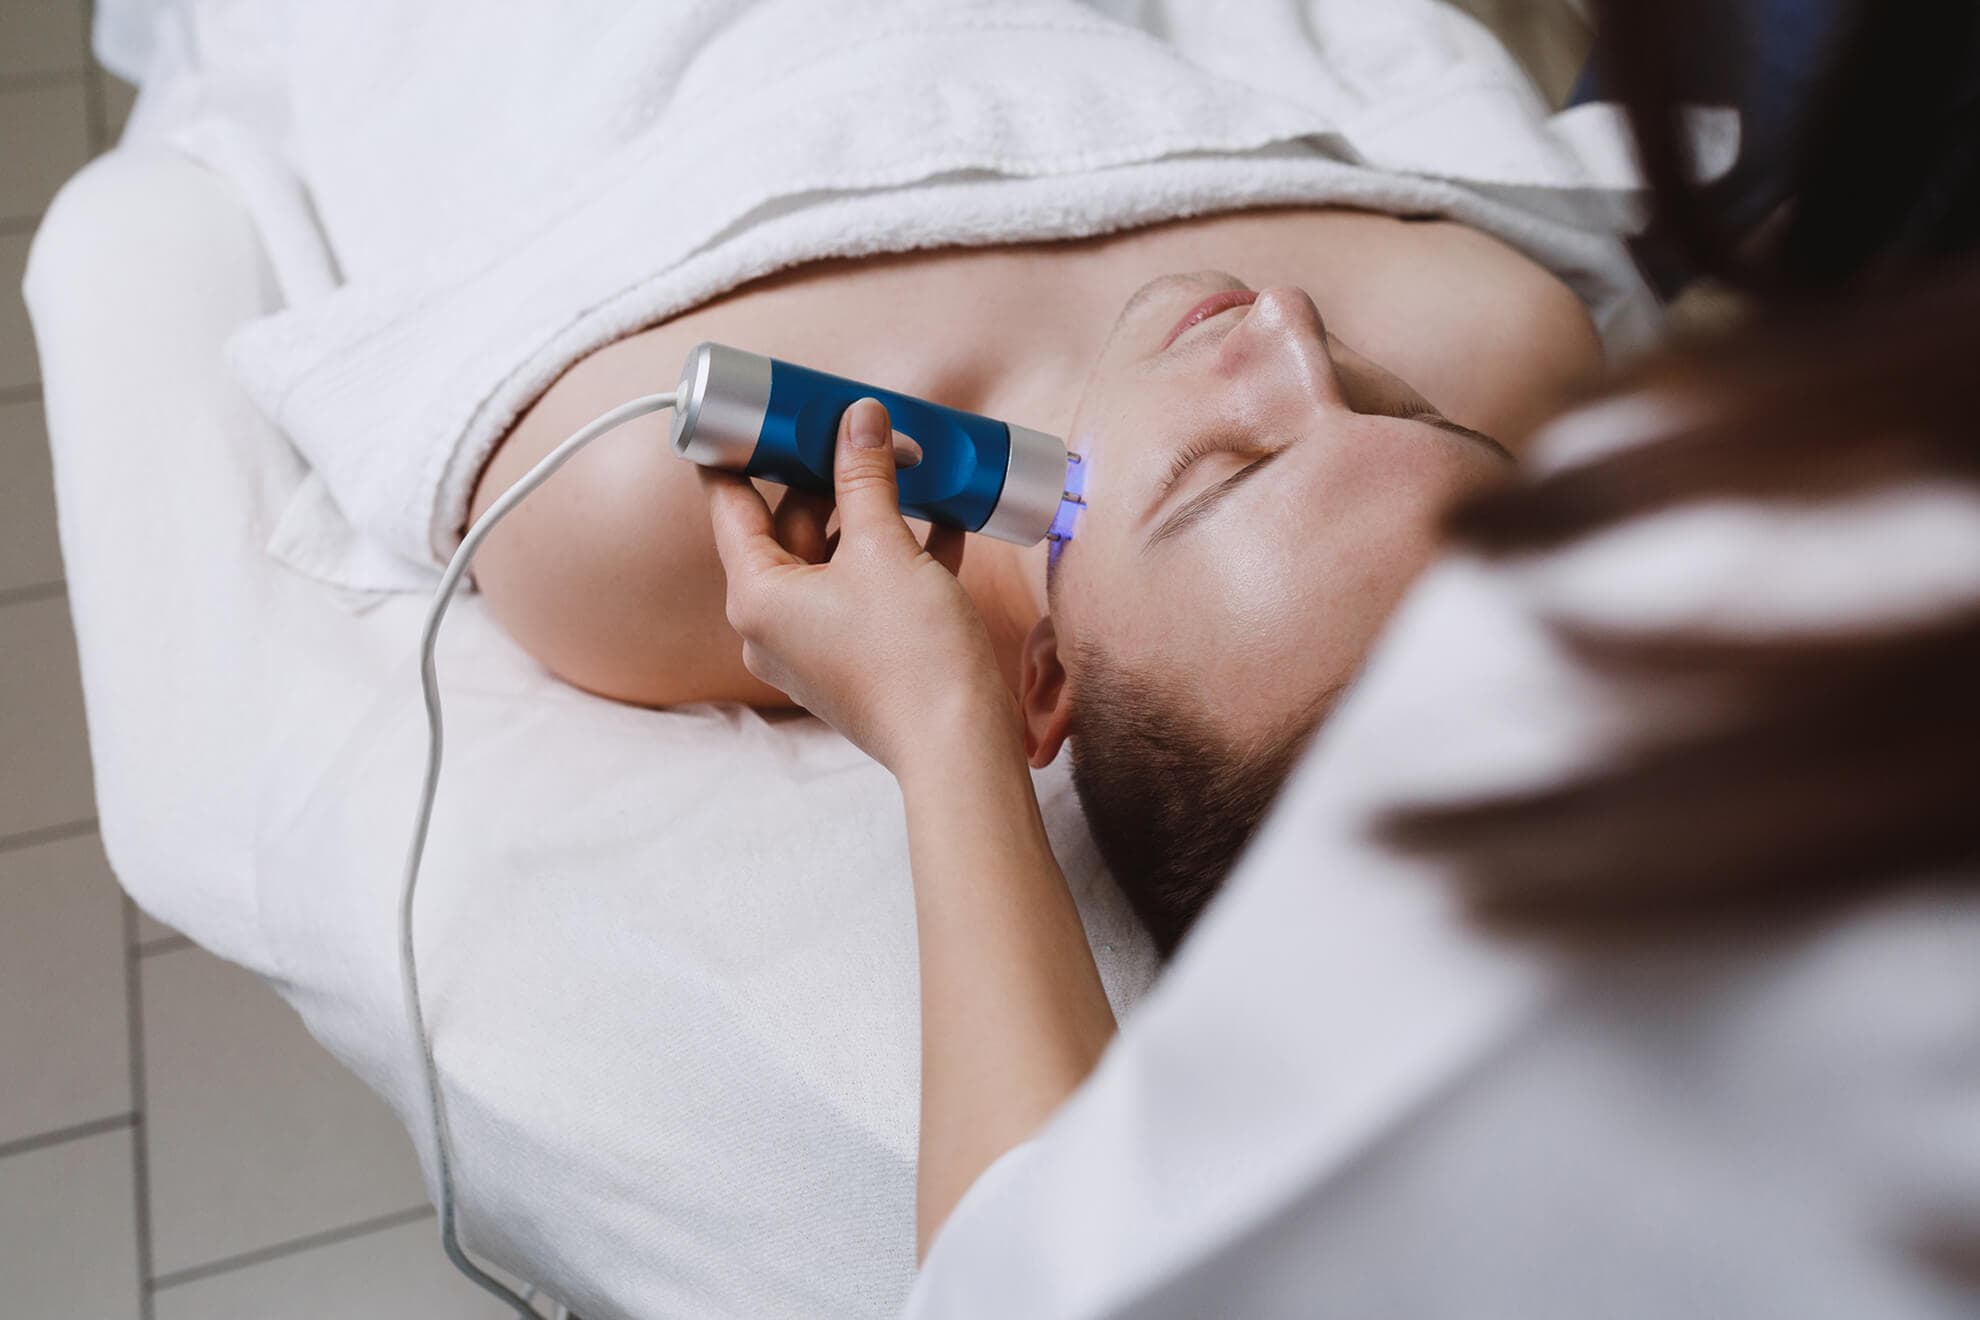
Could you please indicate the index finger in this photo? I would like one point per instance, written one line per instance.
(745, 531)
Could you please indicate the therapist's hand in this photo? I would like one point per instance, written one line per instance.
(876, 637)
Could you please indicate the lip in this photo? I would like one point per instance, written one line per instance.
(1209, 307)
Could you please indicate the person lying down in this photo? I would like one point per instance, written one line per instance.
(1275, 407)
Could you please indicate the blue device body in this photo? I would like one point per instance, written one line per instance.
(964, 457)
(778, 421)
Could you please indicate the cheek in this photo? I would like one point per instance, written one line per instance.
(1297, 601)
(1252, 583)
(1215, 607)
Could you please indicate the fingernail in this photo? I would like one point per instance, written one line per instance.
(868, 422)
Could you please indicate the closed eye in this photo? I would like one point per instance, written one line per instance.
(1200, 506)
(1187, 458)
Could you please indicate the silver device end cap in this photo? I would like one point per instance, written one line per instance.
(720, 406)
(1034, 483)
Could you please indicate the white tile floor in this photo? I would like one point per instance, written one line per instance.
(173, 1144)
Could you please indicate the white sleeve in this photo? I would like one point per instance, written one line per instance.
(1330, 992)
(1343, 1100)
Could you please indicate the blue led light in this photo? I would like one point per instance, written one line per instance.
(1069, 509)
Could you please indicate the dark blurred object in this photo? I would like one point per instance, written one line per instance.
(1821, 767)
(1860, 134)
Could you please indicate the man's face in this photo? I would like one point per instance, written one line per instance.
(1259, 496)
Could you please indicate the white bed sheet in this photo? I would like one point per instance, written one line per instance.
(670, 957)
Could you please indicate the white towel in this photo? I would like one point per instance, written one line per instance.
(501, 198)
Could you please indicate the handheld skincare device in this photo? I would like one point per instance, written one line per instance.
(778, 421)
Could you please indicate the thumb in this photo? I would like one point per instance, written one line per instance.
(863, 480)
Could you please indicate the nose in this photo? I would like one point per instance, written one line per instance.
(1283, 337)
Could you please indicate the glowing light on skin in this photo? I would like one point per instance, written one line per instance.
(1069, 510)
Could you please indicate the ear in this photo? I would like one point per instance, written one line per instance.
(1044, 696)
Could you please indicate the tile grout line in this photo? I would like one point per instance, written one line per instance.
(140, 1143)
(95, 126)
(42, 78)
(73, 829)
(37, 591)
(162, 944)
(62, 1136)
(293, 1247)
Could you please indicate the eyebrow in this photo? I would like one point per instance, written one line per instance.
(1477, 437)
(1200, 506)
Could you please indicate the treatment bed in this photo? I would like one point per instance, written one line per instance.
(679, 1049)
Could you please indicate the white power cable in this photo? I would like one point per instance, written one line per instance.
(429, 681)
